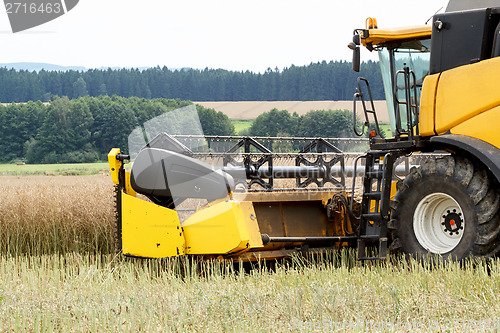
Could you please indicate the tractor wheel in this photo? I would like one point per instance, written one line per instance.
(448, 206)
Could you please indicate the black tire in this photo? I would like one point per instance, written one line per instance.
(476, 232)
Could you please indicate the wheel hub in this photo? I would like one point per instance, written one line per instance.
(452, 222)
(438, 223)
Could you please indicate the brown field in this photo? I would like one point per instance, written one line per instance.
(52, 214)
(252, 109)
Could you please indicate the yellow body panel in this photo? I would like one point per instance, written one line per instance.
(466, 91)
(226, 227)
(149, 230)
(114, 164)
(480, 127)
(427, 104)
(381, 36)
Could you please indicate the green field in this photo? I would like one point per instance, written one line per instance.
(242, 125)
(386, 128)
(54, 169)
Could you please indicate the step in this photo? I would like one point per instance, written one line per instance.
(375, 174)
(371, 237)
(361, 253)
(373, 195)
(372, 217)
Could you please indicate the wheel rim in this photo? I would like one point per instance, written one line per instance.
(438, 223)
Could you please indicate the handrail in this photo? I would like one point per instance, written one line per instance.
(359, 95)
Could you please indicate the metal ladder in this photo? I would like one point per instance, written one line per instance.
(379, 164)
(375, 207)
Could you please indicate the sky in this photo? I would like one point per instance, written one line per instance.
(230, 34)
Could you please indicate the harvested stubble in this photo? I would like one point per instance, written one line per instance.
(88, 293)
(78, 287)
(54, 214)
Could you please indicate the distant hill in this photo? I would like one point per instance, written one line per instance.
(38, 66)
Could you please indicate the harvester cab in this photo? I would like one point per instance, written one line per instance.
(467, 33)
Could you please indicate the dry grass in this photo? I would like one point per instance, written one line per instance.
(58, 275)
(47, 214)
(88, 293)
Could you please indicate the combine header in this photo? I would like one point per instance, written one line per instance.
(257, 204)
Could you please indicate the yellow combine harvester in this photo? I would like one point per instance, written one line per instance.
(443, 97)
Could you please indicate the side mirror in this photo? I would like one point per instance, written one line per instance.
(356, 59)
(356, 52)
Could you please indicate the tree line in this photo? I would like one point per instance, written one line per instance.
(86, 128)
(332, 80)
(315, 123)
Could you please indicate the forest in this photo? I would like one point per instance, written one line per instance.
(77, 130)
(332, 80)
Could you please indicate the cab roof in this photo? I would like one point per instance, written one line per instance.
(373, 37)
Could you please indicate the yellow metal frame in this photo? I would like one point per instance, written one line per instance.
(462, 100)
(114, 165)
(428, 104)
(128, 187)
(152, 231)
(465, 92)
(479, 127)
(381, 36)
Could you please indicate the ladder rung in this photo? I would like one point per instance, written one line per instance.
(375, 174)
(373, 195)
(370, 237)
(372, 216)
